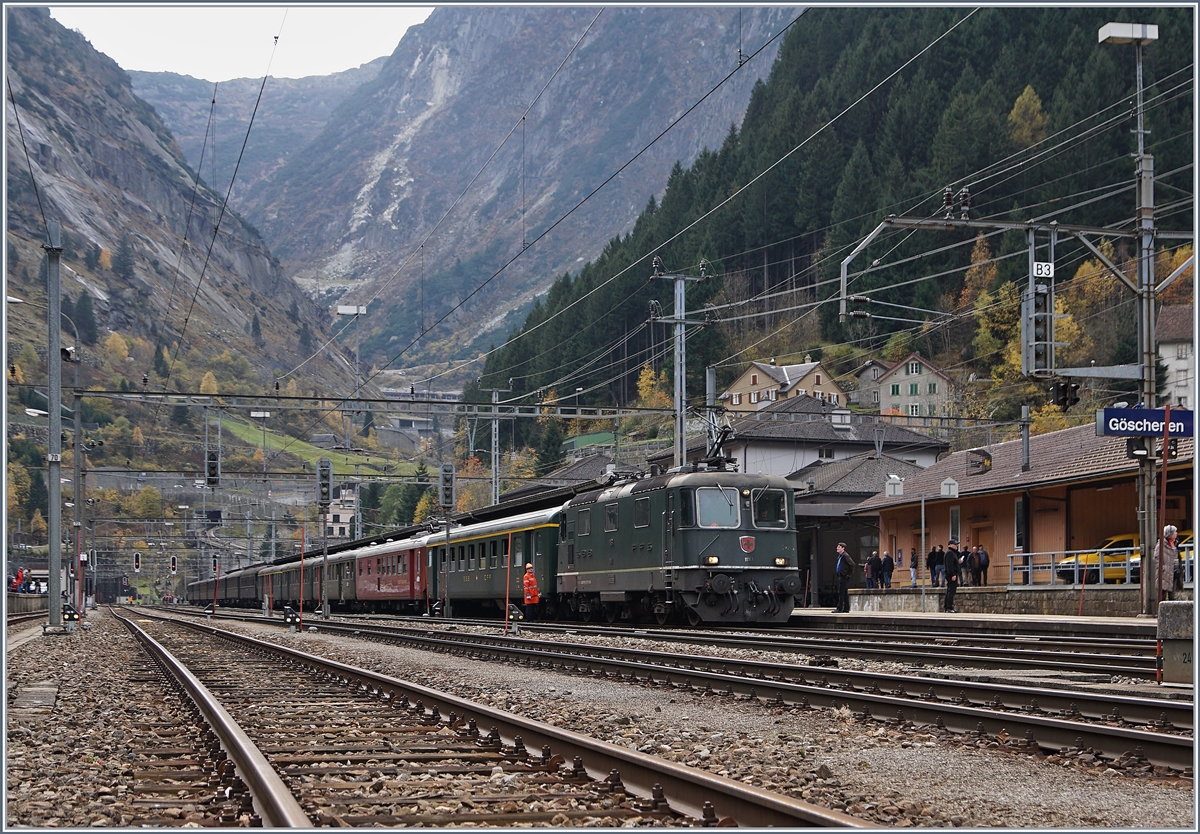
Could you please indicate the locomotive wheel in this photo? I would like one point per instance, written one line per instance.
(587, 614)
(693, 617)
(611, 612)
(662, 617)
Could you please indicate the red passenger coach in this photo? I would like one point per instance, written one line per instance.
(392, 576)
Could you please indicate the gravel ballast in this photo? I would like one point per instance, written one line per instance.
(68, 764)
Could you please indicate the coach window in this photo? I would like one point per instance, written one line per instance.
(687, 508)
(492, 557)
(641, 512)
(504, 552)
(583, 522)
(519, 549)
(471, 557)
(770, 508)
(610, 518)
(717, 506)
(403, 563)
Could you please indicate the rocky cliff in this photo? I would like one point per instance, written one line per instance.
(108, 169)
(399, 198)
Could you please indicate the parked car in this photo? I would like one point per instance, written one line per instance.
(1118, 552)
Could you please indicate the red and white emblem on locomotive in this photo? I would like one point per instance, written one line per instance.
(747, 543)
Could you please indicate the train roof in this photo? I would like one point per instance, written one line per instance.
(724, 478)
(511, 524)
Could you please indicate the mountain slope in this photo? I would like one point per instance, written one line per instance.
(291, 113)
(110, 171)
(357, 203)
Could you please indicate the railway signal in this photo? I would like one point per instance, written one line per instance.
(212, 467)
(137, 562)
(174, 564)
(324, 483)
(446, 485)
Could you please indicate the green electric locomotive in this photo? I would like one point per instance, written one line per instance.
(706, 547)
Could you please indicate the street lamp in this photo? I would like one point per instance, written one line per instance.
(1142, 34)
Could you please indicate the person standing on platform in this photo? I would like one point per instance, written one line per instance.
(953, 572)
(1166, 555)
(531, 592)
(845, 570)
(874, 570)
(934, 565)
(912, 563)
(984, 560)
(886, 567)
(976, 566)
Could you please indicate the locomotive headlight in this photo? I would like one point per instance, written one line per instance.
(711, 560)
(781, 561)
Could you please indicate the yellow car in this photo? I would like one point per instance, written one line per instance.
(1116, 550)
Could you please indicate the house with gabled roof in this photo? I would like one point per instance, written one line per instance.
(1175, 333)
(792, 433)
(865, 394)
(914, 387)
(764, 383)
(1068, 492)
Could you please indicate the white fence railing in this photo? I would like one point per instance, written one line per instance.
(1076, 567)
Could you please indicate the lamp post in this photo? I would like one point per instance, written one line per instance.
(1140, 35)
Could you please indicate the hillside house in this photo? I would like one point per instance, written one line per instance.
(914, 388)
(766, 382)
(1175, 334)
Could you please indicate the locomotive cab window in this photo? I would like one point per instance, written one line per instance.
(641, 512)
(583, 522)
(687, 508)
(610, 518)
(717, 506)
(770, 508)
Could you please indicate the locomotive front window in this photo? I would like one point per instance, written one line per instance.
(641, 512)
(717, 506)
(770, 508)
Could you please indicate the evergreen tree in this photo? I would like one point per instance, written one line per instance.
(549, 455)
(91, 256)
(122, 261)
(85, 319)
(256, 330)
(161, 366)
(38, 499)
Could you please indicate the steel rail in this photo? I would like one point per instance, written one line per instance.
(275, 804)
(957, 713)
(686, 789)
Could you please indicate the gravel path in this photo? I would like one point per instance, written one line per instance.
(80, 777)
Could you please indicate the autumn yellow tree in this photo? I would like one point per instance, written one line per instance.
(424, 508)
(37, 527)
(1027, 120)
(116, 349)
(18, 489)
(105, 259)
(208, 385)
(1181, 290)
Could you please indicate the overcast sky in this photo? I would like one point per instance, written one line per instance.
(220, 42)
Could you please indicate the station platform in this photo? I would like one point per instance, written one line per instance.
(1144, 628)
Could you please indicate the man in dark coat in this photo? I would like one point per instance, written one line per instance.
(887, 565)
(844, 566)
(953, 570)
(874, 570)
(934, 562)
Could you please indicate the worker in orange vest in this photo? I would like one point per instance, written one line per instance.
(531, 591)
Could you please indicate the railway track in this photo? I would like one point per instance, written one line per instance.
(352, 747)
(1019, 714)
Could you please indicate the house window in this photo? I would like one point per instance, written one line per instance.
(875, 372)
(933, 388)
(931, 410)
(895, 389)
(1181, 377)
(825, 453)
(641, 512)
(914, 409)
(833, 398)
(1019, 523)
(773, 394)
(754, 379)
(914, 388)
(753, 396)
(914, 367)
(337, 518)
(799, 392)
(737, 399)
(1181, 350)
(875, 396)
(818, 382)
(329, 529)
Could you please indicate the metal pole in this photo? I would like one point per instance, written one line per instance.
(680, 376)
(54, 405)
(923, 550)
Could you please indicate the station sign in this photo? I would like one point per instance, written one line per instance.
(1143, 422)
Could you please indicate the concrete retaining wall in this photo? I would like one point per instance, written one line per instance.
(27, 603)
(1115, 601)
